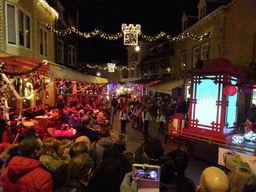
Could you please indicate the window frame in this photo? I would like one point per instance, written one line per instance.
(26, 40)
(24, 27)
(15, 38)
(72, 55)
(205, 54)
(183, 60)
(60, 60)
(43, 43)
(196, 59)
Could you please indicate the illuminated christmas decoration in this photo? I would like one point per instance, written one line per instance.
(131, 34)
(237, 139)
(250, 136)
(105, 68)
(111, 67)
(48, 7)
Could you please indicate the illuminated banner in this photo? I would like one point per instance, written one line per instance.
(131, 34)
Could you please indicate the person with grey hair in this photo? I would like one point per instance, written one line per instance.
(118, 147)
(80, 171)
(86, 129)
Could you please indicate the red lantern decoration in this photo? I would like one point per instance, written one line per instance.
(229, 90)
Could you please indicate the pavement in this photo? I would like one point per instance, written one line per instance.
(135, 139)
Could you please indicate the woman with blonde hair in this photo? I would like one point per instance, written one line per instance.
(241, 177)
(52, 157)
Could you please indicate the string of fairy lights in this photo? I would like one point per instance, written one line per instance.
(111, 67)
(130, 34)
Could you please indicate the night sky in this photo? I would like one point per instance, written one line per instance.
(108, 16)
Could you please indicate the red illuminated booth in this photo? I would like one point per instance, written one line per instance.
(213, 102)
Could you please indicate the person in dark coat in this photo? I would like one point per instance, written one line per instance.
(60, 103)
(80, 171)
(119, 146)
(86, 130)
(182, 182)
(150, 152)
(2, 126)
(114, 103)
(110, 174)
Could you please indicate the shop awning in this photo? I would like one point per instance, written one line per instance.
(166, 87)
(17, 63)
(61, 72)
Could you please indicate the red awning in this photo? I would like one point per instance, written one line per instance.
(12, 63)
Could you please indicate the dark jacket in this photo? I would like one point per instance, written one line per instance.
(60, 104)
(60, 177)
(115, 149)
(73, 186)
(110, 174)
(98, 149)
(25, 174)
(142, 158)
(89, 132)
(184, 184)
(164, 187)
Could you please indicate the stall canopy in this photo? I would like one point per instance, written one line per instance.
(166, 87)
(17, 63)
(61, 72)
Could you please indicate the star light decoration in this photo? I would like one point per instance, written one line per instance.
(131, 34)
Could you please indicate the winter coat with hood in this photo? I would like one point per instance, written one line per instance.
(99, 148)
(25, 174)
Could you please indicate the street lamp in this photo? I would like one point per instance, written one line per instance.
(137, 48)
(98, 74)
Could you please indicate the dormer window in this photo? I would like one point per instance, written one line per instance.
(201, 9)
(184, 21)
(202, 12)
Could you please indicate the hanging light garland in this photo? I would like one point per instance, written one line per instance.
(48, 7)
(110, 66)
(131, 34)
(2, 70)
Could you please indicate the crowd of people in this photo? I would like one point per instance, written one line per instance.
(96, 158)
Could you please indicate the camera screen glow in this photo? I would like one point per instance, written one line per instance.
(146, 173)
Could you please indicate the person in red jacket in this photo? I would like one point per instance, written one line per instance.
(24, 172)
